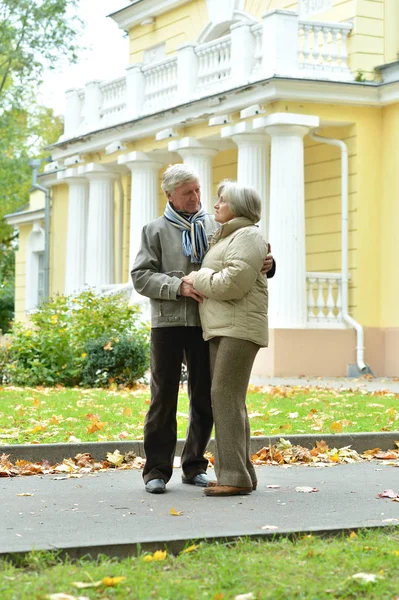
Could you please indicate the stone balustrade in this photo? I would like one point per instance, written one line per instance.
(324, 300)
(299, 48)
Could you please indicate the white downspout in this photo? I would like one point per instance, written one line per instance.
(344, 243)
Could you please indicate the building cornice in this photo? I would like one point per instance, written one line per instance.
(262, 92)
(22, 218)
(139, 11)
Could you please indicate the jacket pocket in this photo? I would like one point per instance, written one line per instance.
(220, 315)
(171, 311)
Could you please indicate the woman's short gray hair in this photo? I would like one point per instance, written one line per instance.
(243, 200)
(176, 175)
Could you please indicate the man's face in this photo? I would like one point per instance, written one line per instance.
(186, 197)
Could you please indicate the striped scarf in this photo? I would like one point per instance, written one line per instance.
(194, 240)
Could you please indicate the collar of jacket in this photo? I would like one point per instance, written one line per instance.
(231, 226)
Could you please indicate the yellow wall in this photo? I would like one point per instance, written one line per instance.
(181, 25)
(388, 204)
(58, 234)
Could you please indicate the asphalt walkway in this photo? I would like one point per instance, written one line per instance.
(110, 512)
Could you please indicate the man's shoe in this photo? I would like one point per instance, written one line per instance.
(201, 480)
(214, 483)
(227, 490)
(155, 486)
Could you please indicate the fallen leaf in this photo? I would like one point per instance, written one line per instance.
(175, 513)
(25, 494)
(108, 346)
(336, 427)
(81, 585)
(306, 489)
(352, 535)
(112, 581)
(127, 412)
(273, 486)
(388, 494)
(62, 596)
(159, 555)
(190, 548)
(115, 458)
(366, 577)
(248, 596)
(269, 527)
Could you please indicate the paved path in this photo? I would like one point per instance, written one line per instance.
(111, 513)
(367, 383)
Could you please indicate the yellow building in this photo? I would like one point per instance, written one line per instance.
(299, 99)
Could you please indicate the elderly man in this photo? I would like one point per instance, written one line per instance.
(171, 247)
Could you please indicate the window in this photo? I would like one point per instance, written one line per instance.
(40, 277)
(308, 8)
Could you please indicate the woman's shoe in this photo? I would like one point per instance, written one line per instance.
(226, 490)
(214, 483)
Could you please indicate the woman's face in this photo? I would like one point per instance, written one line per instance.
(223, 212)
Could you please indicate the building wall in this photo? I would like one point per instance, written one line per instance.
(388, 203)
(178, 26)
(58, 233)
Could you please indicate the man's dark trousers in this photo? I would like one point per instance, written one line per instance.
(168, 347)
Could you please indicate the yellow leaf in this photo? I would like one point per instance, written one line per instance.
(36, 402)
(95, 426)
(115, 458)
(127, 412)
(190, 548)
(54, 420)
(336, 427)
(353, 534)
(395, 552)
(25, 494)
(112, 581)
(175, 513)
(148, 558)
(108, 346)
(160, 555)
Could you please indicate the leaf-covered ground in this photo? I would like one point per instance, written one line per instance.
(352, 566)
(49, 415)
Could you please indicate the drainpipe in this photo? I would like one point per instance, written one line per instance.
(35, 164)
(120, 225)
(363, 368)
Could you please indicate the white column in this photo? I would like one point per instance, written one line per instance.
(73, 114)
(143, 197)
(287, 302)
(91, 107)
(76, 230)
(252, 163)
(198, 156)
(100, 249)
(187, 72)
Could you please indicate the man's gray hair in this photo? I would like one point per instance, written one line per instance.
(176, 175)
(243, 200)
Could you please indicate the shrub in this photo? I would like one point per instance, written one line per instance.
(121, 360)
(4, 360)
(52, 348)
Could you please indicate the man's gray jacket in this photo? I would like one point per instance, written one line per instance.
(157, 271)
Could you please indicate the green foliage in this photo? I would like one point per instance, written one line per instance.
(4, 361)
(52, 349)
(7, 261)
(34, 35)
(121, 360)
(360, 77)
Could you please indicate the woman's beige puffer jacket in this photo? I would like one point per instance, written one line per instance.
(230, 277)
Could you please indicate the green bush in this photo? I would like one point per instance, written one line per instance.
(121, 360)
(7, 265)
(52, 348)
(4, 360)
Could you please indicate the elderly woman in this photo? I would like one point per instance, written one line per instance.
(234, 320)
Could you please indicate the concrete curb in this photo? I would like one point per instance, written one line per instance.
(57, 452)
(176, 546)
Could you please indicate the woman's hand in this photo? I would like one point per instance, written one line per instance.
(187, 287)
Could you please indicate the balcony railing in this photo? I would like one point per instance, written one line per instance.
(324, 300)
(280, 45)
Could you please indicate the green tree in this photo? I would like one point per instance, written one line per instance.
(34, 35)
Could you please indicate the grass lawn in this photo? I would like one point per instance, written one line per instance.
(307, 568)
(38, 415)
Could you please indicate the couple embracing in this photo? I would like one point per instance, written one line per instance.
(206, 280)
